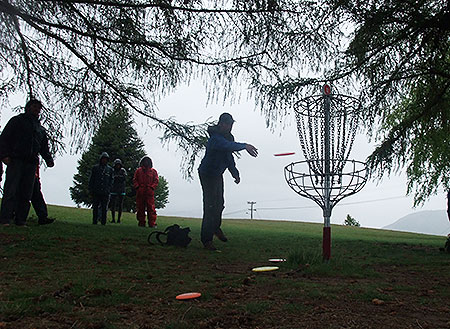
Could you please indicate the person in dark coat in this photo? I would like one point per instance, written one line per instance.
(218, 158)
(117, 190)
(100, 183)
(38, 202)
(448, 204)
(21, 142)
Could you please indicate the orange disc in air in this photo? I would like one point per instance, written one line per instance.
(284, 154)
(188, 295)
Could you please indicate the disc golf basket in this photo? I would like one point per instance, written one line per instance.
(327, 127)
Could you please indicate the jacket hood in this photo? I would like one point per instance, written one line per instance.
(118, 161)
(103, 155)
(146, 158)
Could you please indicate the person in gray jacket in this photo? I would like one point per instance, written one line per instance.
(100, 183)
(117, 190)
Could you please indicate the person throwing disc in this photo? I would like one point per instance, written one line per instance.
(218, 158)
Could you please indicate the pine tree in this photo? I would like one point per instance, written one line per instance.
(119, 139)
(351, 221)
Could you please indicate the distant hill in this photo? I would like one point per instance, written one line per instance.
(428, 222)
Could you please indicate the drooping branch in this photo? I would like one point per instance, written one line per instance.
(25, 55)
(270, 8)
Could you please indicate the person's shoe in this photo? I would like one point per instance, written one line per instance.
(5, 222)
(219, 234)
(118, 221)
(153, 226)
(45, 221)
(141, 224)
(22, 224)
(113, 221)
(209, 246)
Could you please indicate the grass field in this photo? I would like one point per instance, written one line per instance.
(72, 274)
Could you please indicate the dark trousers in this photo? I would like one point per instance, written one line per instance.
(213, 205)
(99, 204)
(38, 202)
(116, 200)
(17, 191)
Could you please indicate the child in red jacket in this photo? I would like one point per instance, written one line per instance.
(145, 181)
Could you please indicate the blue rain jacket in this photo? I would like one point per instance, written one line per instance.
(219, 154)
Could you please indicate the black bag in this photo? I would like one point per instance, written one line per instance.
(446, 246)
(176, 236)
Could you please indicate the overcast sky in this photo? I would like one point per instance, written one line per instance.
(262, 178)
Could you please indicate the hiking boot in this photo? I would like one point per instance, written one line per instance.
(45, 221)
(209, 246)
(219, 234)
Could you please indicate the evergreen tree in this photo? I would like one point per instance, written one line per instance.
(119, 139)
(351, 221)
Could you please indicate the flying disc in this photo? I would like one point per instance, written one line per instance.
(188, 295)
(265, 268)
(277, 260)
(284, 154)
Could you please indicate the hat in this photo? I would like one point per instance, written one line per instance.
(31, 102)
(117, 161)
(226, 118)
(104, 155)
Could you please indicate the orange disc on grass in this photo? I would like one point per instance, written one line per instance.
(188, 295)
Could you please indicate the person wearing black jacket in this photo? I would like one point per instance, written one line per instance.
(21, 142)
(448, 204)
(100, 183)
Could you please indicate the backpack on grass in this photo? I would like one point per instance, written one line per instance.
(175, 236)
(446, 246)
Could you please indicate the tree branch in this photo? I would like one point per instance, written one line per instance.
(162, 5)
(26, 58)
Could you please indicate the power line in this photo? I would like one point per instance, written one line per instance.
(342, 204)
(235, 212)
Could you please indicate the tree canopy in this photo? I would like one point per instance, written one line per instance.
(81, 56)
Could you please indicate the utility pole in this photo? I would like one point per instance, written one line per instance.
(251, 203)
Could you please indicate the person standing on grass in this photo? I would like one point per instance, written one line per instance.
(448, 204)
(145, 181)
(21, 142)
(100, 183)
(38, 202)
(117, 190)
(218, 158)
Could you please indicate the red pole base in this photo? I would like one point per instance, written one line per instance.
(326, 243)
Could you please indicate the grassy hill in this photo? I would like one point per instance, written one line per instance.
(428, 221)
(72, 274)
